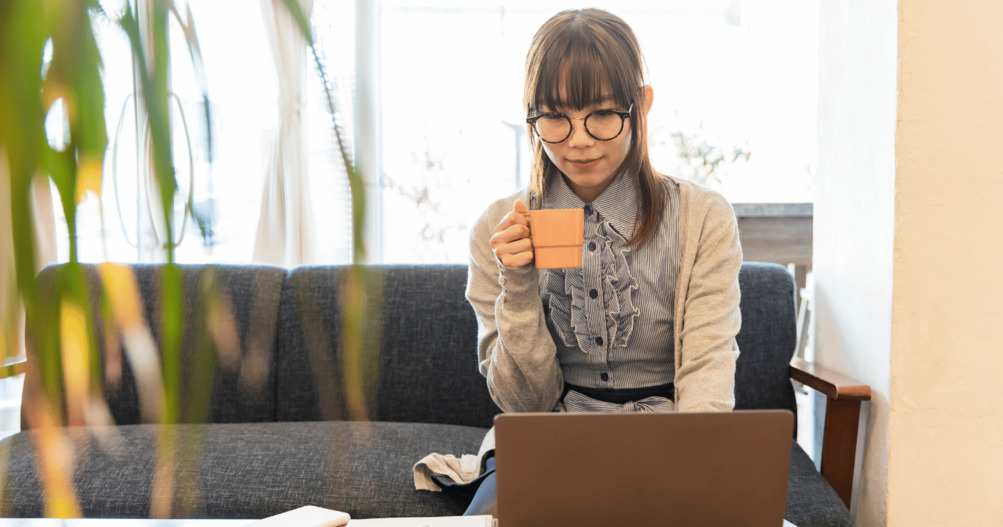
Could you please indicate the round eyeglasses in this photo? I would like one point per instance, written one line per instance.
(602, 125)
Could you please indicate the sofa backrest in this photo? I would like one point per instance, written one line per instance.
(426, 368)
(419, 362)
(767, 338)
(230, 361)
(419, 358)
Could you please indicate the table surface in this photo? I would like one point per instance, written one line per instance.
(51, 522)
(452, 521)
(19, 522)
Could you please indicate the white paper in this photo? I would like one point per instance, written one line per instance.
(307, 516)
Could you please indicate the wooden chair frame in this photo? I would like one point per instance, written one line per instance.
(842, 415)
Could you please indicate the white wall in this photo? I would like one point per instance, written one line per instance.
(946, 419)
(854, 218)
(908, 249)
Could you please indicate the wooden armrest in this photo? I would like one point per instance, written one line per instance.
(11, 369)
(842, 417)
(835, 385)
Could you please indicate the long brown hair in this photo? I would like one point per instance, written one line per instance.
(576, 59)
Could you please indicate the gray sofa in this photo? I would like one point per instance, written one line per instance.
(291, 439)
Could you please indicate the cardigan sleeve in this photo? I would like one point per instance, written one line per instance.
(705, 369)
(516, 352)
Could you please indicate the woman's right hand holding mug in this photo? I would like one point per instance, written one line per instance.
(511, 240)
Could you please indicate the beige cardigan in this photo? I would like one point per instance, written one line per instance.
(518, 356)
(528, 378)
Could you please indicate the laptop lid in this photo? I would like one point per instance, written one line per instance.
(680, 469)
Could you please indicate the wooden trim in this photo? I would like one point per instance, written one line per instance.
(839, 445)
(782, 210)
(833, 384)
(12, 369)
(775, 232)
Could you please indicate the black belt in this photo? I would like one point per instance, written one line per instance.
(624, 396)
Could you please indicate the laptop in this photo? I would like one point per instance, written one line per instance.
(640, 469)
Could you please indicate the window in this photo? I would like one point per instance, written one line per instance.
(729, 76)
(243, 95)
(118, 226)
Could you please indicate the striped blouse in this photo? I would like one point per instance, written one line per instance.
(611, 319)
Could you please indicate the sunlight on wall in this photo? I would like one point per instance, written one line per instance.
(946, 423)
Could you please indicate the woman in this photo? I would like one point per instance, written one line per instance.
(648, 322)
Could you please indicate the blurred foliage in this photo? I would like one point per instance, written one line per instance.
(701, 160)
(50, 65)
(356, 303)
(426, 186)
(49, 61)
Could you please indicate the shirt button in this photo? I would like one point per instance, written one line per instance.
(592, 246)
(593, 293)
(604, 376)
(599, 341)
(588, 209)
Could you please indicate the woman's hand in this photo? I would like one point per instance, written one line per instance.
(511, 242)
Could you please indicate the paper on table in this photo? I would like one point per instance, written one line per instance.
(306, 516)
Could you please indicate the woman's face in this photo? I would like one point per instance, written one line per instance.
(588, 164)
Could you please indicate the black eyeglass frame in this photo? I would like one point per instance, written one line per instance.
(571, 126)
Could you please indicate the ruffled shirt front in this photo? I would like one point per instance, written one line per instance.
(611, 319)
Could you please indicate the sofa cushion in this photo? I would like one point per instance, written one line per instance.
(248, 470)
(419, 354)
(811, 502)
(256, 470)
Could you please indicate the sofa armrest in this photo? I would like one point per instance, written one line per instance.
(842, 415)
(833, 384)
(13, 368)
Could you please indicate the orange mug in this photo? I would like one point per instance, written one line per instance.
(557, 235)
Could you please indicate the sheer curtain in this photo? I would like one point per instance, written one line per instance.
(285, 229)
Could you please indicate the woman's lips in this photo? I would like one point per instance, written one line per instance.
(585, 163)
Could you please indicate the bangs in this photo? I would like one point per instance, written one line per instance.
(582, 66)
